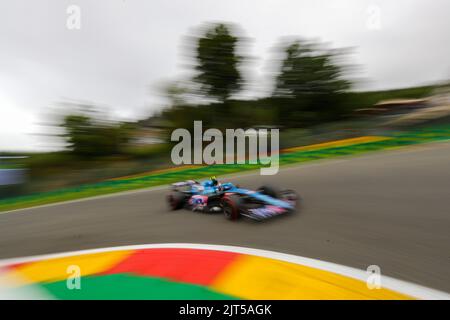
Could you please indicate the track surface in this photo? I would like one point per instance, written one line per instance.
(391, 209)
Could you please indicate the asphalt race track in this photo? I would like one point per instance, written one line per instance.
(391, 209)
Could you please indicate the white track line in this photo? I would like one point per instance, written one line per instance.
(400, 286)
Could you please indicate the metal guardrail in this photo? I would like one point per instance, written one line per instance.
(12, 176)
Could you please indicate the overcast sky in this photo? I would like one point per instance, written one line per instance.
(126, 48)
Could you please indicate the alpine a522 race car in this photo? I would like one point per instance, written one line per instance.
(211, 196)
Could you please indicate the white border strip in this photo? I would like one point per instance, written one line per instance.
(400, 286)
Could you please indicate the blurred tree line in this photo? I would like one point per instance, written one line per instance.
(310, 88)
(88, 135)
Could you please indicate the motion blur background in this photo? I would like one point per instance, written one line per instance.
(80, 105)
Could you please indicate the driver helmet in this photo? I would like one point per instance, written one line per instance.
(214, 181)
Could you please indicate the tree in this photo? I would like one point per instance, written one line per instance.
(217, 63)
(313, 82)
(87, 137)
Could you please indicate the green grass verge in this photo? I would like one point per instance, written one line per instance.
(396, 140)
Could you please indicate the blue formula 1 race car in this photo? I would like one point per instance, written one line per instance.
(211, 196)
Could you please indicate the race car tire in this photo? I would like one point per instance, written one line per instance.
(176, 200)
(269, 191)
(230, 206)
